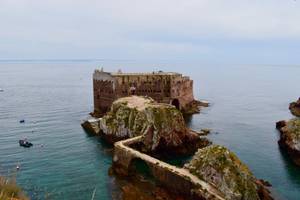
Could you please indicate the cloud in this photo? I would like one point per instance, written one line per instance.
(156, 28)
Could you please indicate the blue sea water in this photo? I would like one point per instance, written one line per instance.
(66, 163)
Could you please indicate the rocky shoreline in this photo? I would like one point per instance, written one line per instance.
(162, 130)
(290, 138)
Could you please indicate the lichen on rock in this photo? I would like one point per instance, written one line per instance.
(126, 118)
(220, 167)
(295, 108)
(162, 125)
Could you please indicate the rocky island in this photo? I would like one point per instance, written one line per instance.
(164, 87)
(161, 125)
(222, 168)
(141, 128)
(290, 133)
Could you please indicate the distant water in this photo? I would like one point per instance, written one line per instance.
(65, 163)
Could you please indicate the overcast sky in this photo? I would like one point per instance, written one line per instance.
(231, 31)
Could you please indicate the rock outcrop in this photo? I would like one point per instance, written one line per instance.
(92, 126)
(223, 169)
(162, 125)
(290, 138)
(295, 108)
(194, 107)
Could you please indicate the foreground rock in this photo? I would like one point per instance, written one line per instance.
(290, 138)
(220, 167)
(92, 126)
(295, 108)
(162, 125)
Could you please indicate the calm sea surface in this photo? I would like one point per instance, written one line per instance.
(65, 163)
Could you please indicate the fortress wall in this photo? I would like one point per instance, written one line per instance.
(155, 86)
(124, 157)
(178, 180)
(162, 87)
(171, 180)
(104, 91)
(182, 89)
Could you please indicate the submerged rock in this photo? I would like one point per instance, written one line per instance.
(295, 108)
(162, 125)
(223, 169)
(290, 138)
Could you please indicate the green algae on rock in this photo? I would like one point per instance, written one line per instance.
(162, 125)
(217, 165)
(125, 119)
(290, 138)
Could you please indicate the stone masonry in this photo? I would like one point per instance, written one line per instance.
(163, 87)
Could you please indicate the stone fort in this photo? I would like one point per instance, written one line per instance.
(164, 87)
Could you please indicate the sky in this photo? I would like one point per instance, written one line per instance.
(213, 31)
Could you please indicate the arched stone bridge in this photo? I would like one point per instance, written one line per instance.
(175, 178)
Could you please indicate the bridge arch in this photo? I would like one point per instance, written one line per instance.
(137, 165)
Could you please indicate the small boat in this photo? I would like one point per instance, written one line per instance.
(22, 121)
(1, 90)
(25, 143)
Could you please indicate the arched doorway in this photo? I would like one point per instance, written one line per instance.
(132, 90)
(175, 102)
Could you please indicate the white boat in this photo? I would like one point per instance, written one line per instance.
(1, 90)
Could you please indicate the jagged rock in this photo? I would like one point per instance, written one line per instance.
(162, 125)
(295, 108)
(223, 169)
(290, 139)
(92, 125)
(194, 107)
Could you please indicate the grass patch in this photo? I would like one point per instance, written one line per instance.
(9, 190)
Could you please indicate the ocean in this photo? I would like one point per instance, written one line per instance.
(66, 163)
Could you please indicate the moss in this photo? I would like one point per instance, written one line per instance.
(219, 166)
(293, 126)
(133, 116)
(290, 136)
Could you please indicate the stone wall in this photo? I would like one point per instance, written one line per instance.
(178, 180)
(163, 87)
